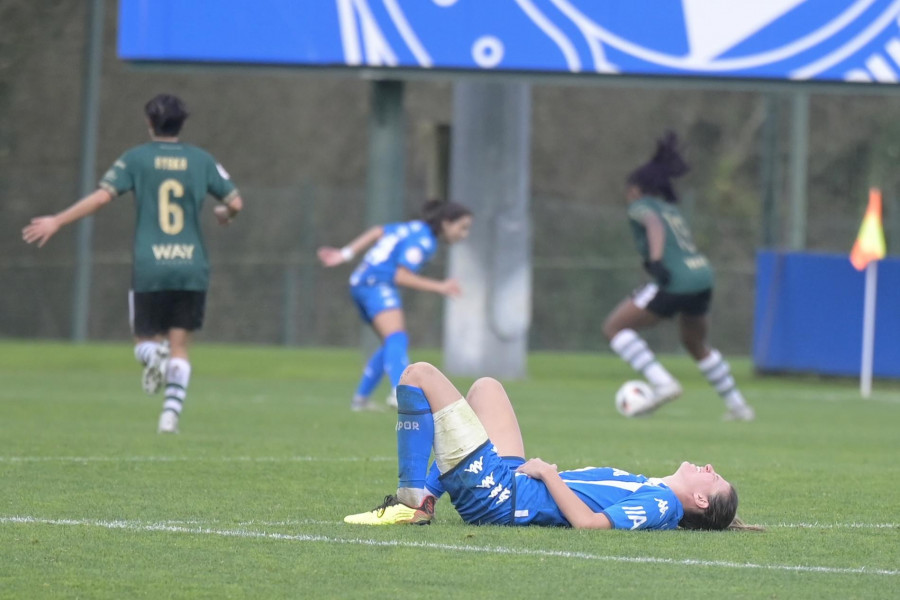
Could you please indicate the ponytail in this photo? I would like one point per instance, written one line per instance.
(655, 177)
(435, 212)
(738, 525)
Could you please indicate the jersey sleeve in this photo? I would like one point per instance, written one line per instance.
(118, 179)
(415, 253)
(637, 211)
(653, 508)
(218, 182)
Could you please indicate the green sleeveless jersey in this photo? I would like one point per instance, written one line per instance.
(170, 182)
(690, 270)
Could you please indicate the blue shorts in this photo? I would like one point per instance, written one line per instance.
(373, 299)
(482, 487)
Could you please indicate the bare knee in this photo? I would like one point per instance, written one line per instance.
(484, 386)
(417, 374)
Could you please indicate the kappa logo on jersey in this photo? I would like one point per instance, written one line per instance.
(487, 482)
(663, 506)
(476, 466)
(636, 514)
(173, 251)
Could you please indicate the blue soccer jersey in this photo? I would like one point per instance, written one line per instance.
(629, 501)
(485, 489)
(410, 245)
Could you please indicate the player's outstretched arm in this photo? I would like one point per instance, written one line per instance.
(577, 513)
(447, 287)
(41, 229)
(332, 257)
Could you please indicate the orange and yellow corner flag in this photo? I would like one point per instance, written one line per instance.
(869, 244)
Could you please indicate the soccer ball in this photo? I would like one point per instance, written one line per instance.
(634, 397)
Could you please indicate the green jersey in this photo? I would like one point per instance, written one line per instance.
(690, 270)
(170, 181)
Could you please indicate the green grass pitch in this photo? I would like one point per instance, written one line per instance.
(248, 501)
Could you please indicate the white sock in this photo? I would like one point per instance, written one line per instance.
(634, 350)
(144, 351)
(412, 496)
(718, 372)
(177, 377)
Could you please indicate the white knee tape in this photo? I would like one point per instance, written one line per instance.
(457, 433)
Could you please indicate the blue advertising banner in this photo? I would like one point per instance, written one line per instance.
(823, 40)
(809, 315)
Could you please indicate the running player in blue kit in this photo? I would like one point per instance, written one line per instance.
(479, 453)
(400, 251)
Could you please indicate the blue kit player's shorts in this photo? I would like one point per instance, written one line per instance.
(373, 299)
(482, 487)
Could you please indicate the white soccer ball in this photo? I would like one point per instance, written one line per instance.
(634, 397)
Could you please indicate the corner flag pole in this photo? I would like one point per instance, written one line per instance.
(867, 251)
(868, 341)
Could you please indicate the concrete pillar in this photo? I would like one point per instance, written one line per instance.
(486, 330)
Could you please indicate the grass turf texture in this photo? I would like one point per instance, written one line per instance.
(248, 501)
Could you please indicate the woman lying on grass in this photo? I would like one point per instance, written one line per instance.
(478, 452)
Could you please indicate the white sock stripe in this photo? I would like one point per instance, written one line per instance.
(724, 386)
(642, 361)
(718, 372)
(144, 351)
(176, 393)
(634, 349)
(173, 405)
(622, 339)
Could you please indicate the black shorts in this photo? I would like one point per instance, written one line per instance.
(664, 304)
(154, 313)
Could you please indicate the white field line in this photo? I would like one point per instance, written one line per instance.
(243, 533)
(887, 397)
(222, 459)
(818, 525)
(293, 522)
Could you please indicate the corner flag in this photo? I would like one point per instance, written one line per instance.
(869, 244)
(867, 251)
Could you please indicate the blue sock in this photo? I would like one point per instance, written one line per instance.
(371, 374)
(396, 359)
(433, 483)
(415, 435)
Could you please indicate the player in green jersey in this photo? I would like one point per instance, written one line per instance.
(682, 285)
(170, 273)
